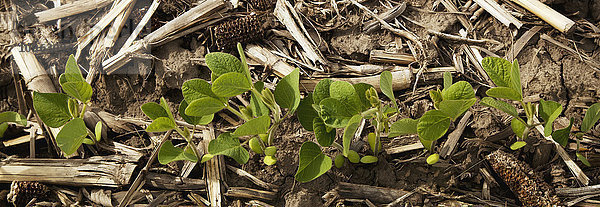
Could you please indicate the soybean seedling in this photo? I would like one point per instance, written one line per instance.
(449, 103)
(231, 77)
(66, 110)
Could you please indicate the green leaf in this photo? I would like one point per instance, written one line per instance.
(52, 108)
(518, 127)
(321, 90)
(325, 135)
(228, 145)
(3, 127)
(455, 108)
(287, 91)
(515, 78)
(161, 124)
(88, 141)
(436, 97)
(230, 84)
(306, 113)
(592, 115)
(312, 162)
(500, 105)
(562, 135)
(345, 93)
(257, 106)
(244, 64)
(353, 156)
(498, 69)
(582, 158)
(426, 143)
(504, 92)
(549, 111)
(270, 160)
(196, 88)
(372, 140)
(254, 126)
(220, 63)
(98, 131)
(517, 145)
(447, 80)
(72, 72)
(403, 127)
(459, 91)
(385, 82)
(79, 90)
(255, 145)
(368, 159)
(204, 106)
(169, 153)
(154, 110)
(206, 157)
(433, 125)
(193, 120)
(270, 151)
(14, 117)
(433, 158)
(165, 106)
(73, 107)
(71, 136)
(339, 161)
(349, 131)
(334, 113)
(361, 90)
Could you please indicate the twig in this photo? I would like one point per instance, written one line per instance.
(254, 180)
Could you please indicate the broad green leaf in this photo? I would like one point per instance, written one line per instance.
(220, 63)
(518, 127)
(562, 135)
(269, 160)
(228, 145)
(353, 156)
(306, 113)
(433, 158)
(582, 158)
(255, 145)
(196, 88)
(3, 127)
(169, 153)
(193, 120)
(72, 72)
(244, 64)
(254, 126)
(361, 89)
(73, 105)
(403, 127)
(368, 159)
(79, 90)
(312, 162)
(385, 82)
(501, 105)
(339, 161)
(161, 124)
(447, 80)
(325, 135)
(98, 131)
(230, 84)
(206, 157)
(458, 91)
(334, 113)
(504, 92)
(433, 125)
(270, 151)
(515, 78)
(349, 131)
(52, 108)
(345, 93)
(71, 136)
(154, 110)
(517, 145)
(204, 107)
(455, 108)
(287, 91)
(165, 106)
(257, 106)
(549, 111)
(14, 117)
(436, 97)
(498, 69)
(321, 90)
(592, 115)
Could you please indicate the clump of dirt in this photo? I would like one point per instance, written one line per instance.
(175, 65)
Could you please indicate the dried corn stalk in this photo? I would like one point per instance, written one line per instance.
(244, 29)
(21, 192)
(522, 180)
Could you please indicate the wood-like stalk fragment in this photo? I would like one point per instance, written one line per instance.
(380, 56)
(70, 9)
(242, 192)
(401, 79)
(549, 15)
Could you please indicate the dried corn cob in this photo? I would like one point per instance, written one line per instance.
(261, 5)
(243, 30)
(21, 192)
(522, 180)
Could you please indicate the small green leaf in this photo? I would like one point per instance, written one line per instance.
(270, 151)
(79, 90)
(455, 108)
(14, 117)
(339, 161)
(372, 140)
(312, 162)
(161, 124)
(73, 107)
(71, 136)
(349, 131)
(325, 135)
(220, 63)
(3, 127)
(518, 127)
(368, 159)
(88, 141)
(306, 113)
(500, 105)
(447, 80)
(436, 97)
(345, 93)
(433, 125)
(204, 107)
(498, 69)
(592, 115)
(169, 153)
(504, 92)
(193, 120)
(287, 91)
(52, 108)
(361, 89)
(244, 64)
(334, 113)
(165, 106)
(98, 131)
(228, 145)
(515, 78)
(230, 84)
(270, 160)
(517, 145)
(264, 137)
(562, 135)
(255, 126)
(433, 158)
(385, 82)
(206, 157)
(254, 144)
(72, 72)
(459, 91)
(154, 110)
(353, 156)
(257, 106)
(321, 90)
(403, 127)
(196, 88)
(549, 111)
(582, 158)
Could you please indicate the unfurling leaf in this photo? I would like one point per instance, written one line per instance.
(73, 83)
(255, 145)
(349, 131)
(562, 135)
(515, 78)
(403, 127)
(258, 107)
(98, 131)
(582, 158)
(433, 158)
(361, 89)
(549, 111)
(385, 83)
(517, 145)
(436, 97)
(71, 136)
(312, 162)
(324, 134)
(447, 80)
(433, 125)
(169, 153)
(206, 157)
(255, 126)
(52, 108)
(592, 115)
(372, 140)
(229, 145)
(287, 91)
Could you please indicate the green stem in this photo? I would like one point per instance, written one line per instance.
(236, 112)
(83, 110)
(378, 133)
(338, 146)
